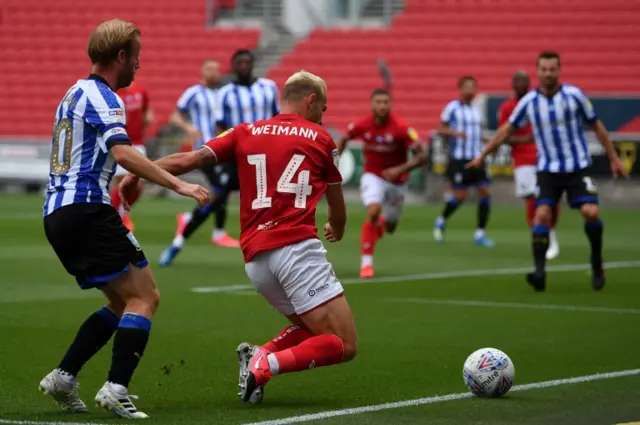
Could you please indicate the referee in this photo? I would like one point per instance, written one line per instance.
(245, 99)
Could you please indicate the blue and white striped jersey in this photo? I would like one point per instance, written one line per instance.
(248, 104)
(89, 120)
(202, 105)
(467, 119)
(558, 127)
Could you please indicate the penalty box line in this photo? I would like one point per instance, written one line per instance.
(440, 275)
(440, 399)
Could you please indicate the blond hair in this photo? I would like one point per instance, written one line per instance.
(109, 38)
(303, 83)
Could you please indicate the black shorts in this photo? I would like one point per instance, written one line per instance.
(461, 177)
(92, 243)
(222, 177)
(579, 186)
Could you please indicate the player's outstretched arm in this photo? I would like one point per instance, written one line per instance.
(445, 131)
(603, 137)
(342, 144)
(334, 230)
(136, 163)
(183, 162)
(501, 136)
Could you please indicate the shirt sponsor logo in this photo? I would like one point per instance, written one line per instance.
(314, 291)
(117, 115)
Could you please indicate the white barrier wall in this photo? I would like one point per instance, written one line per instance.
(301, 16)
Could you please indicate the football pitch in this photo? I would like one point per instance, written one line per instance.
(427, 309)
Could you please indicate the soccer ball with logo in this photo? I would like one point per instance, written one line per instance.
(488, 372)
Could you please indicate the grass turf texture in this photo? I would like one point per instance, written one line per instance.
(408, 350)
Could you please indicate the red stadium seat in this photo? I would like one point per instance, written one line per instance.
(434, 42)
(47, 52)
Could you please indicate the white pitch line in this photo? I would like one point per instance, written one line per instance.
(440, 399)
(17, 422)
(556, 307)
(441, 275)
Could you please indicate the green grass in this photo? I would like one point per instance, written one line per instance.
(408, 350)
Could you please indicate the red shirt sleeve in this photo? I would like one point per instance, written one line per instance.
(332, 159)
(145, 100)
(223, 147)
(355, 130)
(503, 112)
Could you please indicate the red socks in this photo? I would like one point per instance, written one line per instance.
(317, 351)
(117, 202)
(369, 237)
(371, 232)
(289, 337)
(531, 212)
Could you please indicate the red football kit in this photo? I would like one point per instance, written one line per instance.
(522, 153)
(136, 103)
(385, 145)
(284, 166)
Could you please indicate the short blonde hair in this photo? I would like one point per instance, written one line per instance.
(109, 38)
(303, 83)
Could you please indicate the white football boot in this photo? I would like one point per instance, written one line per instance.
(554, 248)
(118, 401)
(63, 387)
(245, 352)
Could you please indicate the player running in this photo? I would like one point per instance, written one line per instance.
(139, 117)
(524, 153)
(245, 99)
(557, 113)
(87, 233)
(387, 140)
(285, 165)
(461, 123)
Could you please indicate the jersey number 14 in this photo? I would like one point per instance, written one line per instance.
(301, 189)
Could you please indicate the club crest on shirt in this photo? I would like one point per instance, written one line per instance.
(336, 157)
(413, 134)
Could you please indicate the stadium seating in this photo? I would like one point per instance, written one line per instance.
(434, 42)
(45, 52)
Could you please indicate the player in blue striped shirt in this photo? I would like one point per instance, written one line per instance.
(244, 99)
(558, 113)
(87, 233)
(462, 124)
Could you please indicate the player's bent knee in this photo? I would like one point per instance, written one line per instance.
(334, 318)
(460, 195)
(484, 191)
(350, 350)
(543, 215)
(590, 212)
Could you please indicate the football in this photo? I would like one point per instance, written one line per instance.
(488, 372)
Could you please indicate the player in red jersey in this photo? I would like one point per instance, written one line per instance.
(285, 165)
(387, 140)
(524, 152)
(139, 116)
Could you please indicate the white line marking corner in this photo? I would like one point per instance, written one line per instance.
(440, 399)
